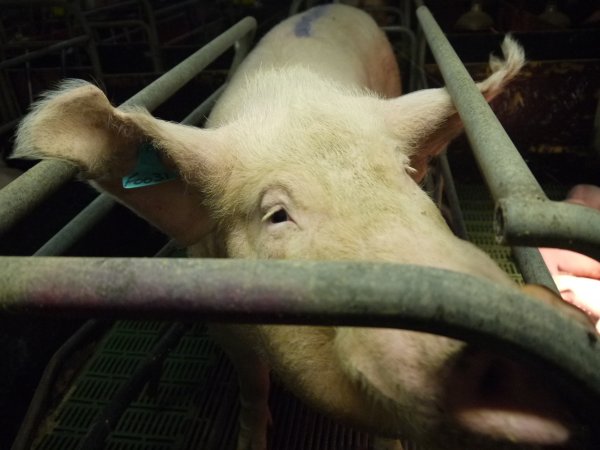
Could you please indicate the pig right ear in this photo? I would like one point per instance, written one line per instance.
(77, 123)
(427, 120)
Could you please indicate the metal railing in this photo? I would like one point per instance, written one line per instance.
(31, 50)
(22, 195)
(524, 216)
(302, 292)
(295, 292)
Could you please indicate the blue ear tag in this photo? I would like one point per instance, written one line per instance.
(149, 169)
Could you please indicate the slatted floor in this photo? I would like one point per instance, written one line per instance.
(195, 403)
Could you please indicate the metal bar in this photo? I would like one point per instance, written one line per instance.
(184, 36)
(23, 194)
(164, 87)
(412, 42)
(532, 222)
(28, 3)
(524, 216)
(174, 7)
(77, 227)
(152, 36)
(26, 192)
(498, 158)
(303, 292)
(90, 331)
(106, 421)
(20, 45)
(109, 7)
(37, 407)
(121, 23)
(44, 51)
(453, 202)
(198, 115)
(91, 47)
(532, 267)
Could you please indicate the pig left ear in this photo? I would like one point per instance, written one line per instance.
(428, 120)
(78, 124)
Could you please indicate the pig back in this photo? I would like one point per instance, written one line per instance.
(337, 42)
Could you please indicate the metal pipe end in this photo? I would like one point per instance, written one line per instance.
(499, 224)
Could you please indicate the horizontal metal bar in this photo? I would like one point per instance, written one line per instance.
(31, 188)
(544, 223)
(303, 292)
(76, 41)
(23, 194)
(524, 217)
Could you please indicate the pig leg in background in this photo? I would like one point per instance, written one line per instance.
(253, 381)
(577, 276)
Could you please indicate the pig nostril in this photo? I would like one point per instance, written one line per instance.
(491, 381)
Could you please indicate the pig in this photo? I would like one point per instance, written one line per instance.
(577, 276)
(312, 153)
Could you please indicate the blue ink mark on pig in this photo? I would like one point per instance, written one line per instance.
(304, 25)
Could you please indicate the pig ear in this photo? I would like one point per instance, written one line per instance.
(77, 123)
(428, 120)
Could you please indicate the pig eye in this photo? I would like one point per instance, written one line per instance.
(279, 216)
(275, 215)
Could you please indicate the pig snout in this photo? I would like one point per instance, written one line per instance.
(458, 396)
(488, 394)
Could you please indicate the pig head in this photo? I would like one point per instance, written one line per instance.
(312, 154)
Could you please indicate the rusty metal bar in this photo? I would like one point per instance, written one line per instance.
(303, 292)
(524, 215)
